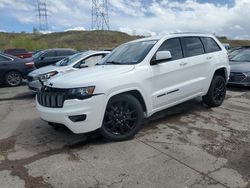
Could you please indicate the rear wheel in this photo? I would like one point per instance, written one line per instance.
(123, 118)
(13, 79)
(216, 93)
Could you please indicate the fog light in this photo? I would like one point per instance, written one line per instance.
(78, 118)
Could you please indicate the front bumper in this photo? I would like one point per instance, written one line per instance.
(93, 108)
(240, 79)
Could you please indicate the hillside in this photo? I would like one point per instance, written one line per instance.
(80, 40)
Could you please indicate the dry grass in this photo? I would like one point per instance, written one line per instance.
(80, 40)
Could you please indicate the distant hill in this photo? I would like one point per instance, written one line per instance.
(80, 40)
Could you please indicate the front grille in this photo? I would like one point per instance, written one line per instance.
(236, 77)
(51, 97)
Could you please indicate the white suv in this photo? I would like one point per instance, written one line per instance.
(136, 80)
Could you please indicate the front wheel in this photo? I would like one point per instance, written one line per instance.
(123, 118)
(216, 93)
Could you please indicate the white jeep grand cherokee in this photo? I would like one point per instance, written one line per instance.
(136, 80)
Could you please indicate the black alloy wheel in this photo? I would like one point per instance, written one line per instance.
(216, 93)
(219, 91)
(123, 118)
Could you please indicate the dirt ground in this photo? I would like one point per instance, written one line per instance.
(188, 146)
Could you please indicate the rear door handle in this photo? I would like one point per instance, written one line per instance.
(209, 58)
(183, 64)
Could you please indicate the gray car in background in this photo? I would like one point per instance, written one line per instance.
(51, 56)
(68, 64)
(240, 68)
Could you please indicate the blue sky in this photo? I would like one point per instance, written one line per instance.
(147, 17)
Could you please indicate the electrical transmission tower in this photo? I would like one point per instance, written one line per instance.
(100, 16)
(42, 15)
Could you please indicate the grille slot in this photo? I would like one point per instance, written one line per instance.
(236, 77)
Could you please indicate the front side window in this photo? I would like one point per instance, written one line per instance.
(174, 46)
(210, 45)
(130, 53)
(192, 46)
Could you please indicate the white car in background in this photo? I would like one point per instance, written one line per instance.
(68, 64)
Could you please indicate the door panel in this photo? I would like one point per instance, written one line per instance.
(165, 77)
(182, 77)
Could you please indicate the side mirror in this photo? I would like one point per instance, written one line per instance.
(42, 58)
(161, 56)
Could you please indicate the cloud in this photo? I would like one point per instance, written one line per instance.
(76, 29)
(141, 16)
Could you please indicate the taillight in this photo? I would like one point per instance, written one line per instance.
(30, 65)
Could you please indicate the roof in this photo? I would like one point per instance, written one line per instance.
(173, 35)
(59, 49)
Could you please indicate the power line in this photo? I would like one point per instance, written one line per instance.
(100, 15)
(42, 15)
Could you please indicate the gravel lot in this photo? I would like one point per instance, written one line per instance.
(186, 146)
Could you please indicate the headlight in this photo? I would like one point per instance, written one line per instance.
(81, 93)
(47, 76)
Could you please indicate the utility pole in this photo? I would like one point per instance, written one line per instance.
(100, 15)
(42, 15)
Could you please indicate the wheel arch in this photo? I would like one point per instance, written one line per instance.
(12, 70)
(135, 93)
(222, 71)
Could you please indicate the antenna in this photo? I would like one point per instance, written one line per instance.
(42, 15)
(100, 16)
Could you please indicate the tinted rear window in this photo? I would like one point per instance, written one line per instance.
(210, 45)
(192, 46)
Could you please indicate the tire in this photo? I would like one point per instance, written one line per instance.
(122, 119)
(216, 93)
(13, 78)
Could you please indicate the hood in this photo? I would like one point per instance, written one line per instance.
(240, 66)
(87, 77)
(47, 69)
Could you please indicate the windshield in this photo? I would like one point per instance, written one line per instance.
(243, 56)
(71, 59)
(130, 53)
